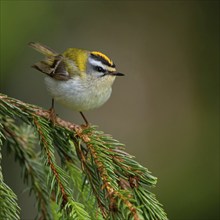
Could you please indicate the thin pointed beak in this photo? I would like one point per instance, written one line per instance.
(117, 74)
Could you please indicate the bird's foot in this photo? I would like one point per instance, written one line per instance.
(86, 125)
(53, 115)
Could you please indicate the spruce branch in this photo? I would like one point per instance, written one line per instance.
(21, 141)
(90, 169)
(9, 208)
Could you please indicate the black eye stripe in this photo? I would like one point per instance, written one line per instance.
(99, 69)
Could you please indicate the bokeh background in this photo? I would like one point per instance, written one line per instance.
(166, 108)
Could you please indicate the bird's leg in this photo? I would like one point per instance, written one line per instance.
(84, 118)
(53, 116)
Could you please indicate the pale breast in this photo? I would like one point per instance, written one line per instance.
(78, 94)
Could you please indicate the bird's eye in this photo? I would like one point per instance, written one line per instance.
(99, 69)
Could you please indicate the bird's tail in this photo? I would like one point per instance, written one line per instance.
(43, 49)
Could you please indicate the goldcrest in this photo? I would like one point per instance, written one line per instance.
(78, 79)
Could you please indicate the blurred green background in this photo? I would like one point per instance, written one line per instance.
(166, 108)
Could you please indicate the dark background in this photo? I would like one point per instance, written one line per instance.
(166, 108)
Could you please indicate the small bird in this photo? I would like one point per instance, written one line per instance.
(78, 79)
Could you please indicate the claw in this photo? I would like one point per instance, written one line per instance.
(53, 115)
(86, 121)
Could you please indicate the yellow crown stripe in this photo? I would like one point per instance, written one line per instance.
(96, 53)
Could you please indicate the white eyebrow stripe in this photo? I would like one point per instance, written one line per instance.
(96, 63)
